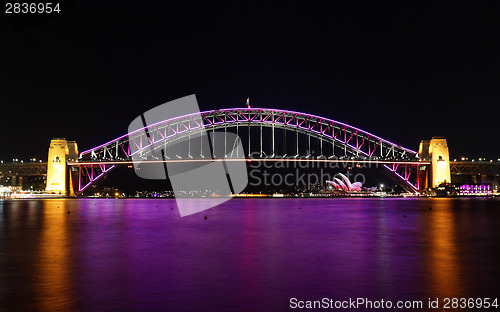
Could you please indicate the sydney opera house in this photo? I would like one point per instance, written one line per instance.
(344, 184)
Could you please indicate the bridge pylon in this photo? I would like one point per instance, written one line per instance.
(436, 151)
(58, 175)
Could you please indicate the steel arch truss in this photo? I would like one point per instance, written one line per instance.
(358, 143)
(407, 172)
(88, 174)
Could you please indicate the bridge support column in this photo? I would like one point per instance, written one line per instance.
(273, 143)
(297, 141)
(58, 174)
(261, 154)
(436, 151)
(249, 145)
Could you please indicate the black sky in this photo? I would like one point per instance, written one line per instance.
(405, 72)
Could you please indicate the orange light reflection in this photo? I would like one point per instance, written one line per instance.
(444, 264)
(54, 280)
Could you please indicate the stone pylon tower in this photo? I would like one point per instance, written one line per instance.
(58, 177)
(436, 151)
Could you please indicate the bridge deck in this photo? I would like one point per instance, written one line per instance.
(350, 161)
(23, 169)
(475, 167)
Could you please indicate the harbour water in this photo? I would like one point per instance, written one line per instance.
(246, 255)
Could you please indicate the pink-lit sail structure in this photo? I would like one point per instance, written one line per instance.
(335, 140)
(345, 185)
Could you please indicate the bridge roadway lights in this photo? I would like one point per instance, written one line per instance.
(59, 179)
(436, 151)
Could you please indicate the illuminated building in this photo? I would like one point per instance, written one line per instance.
(436, 151)
(60, 151)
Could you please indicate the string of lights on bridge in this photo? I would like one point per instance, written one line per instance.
(35, 160)
(480, 159)
(17, 160)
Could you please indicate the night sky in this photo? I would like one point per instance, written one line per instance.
(405, 72)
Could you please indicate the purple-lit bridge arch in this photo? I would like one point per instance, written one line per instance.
(334, 142)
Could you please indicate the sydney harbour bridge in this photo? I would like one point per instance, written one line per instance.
(265, 134)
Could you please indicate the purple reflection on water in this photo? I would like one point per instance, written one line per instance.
(248, 255)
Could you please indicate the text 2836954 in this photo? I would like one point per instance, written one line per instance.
(32, 8)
